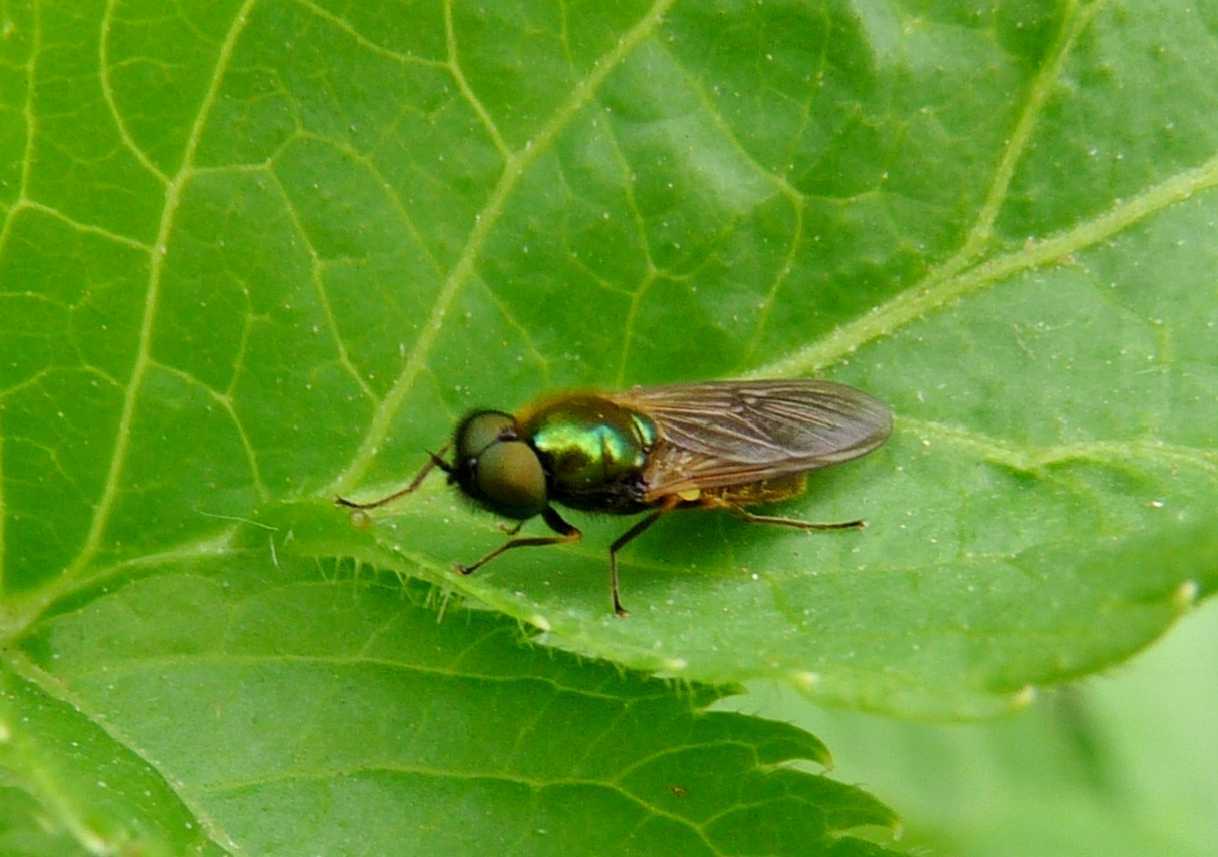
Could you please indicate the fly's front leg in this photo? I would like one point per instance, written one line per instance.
(566, 533)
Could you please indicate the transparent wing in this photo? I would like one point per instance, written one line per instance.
(735, 432)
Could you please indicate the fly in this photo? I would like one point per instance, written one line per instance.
(716, 445)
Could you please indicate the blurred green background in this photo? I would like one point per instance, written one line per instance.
(1123, 765)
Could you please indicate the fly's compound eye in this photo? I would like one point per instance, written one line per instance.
(510, 477)
(478, 431)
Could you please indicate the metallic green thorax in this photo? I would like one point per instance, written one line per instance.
(587, 442)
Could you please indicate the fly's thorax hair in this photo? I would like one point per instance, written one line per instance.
(525, 415)
(496, 467)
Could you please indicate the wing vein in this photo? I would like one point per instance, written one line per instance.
(725, 433)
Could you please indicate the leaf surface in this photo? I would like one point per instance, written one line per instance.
(259, 253)
(213, 705)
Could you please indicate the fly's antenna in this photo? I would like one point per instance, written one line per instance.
(439, 462)
(433, 461)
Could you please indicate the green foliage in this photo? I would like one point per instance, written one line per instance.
(1122, 765)
(253, 254)
(299, 708)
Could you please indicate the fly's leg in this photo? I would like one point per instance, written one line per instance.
(745, 515)
(433, 461)
(626, 538)
(566, 533)
(735, 498)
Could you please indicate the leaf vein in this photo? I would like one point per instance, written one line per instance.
(226, 403)
(454, 67)
(1028, 458)
(228, 659)
(107, 90)
(464, 269)
(323, 297)
(31, 125)
(173, 198)
(55, 688)
(531, 783)
(363, 41)
(87, 228)
(1073, 23)
(942, 287)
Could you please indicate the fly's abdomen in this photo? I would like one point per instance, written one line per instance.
(590, 445)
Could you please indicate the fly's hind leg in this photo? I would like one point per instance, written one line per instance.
(770, 491)
(745, 515)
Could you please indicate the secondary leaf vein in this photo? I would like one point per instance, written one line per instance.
(514, 168)
(173, 199)
(941, 288)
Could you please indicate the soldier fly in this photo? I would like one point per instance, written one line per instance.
(717, 445)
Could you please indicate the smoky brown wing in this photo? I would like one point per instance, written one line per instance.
(725, 433)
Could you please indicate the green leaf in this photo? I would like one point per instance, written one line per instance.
(1122, 765)
(254, 254)
(74, 781)
(214, 705)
